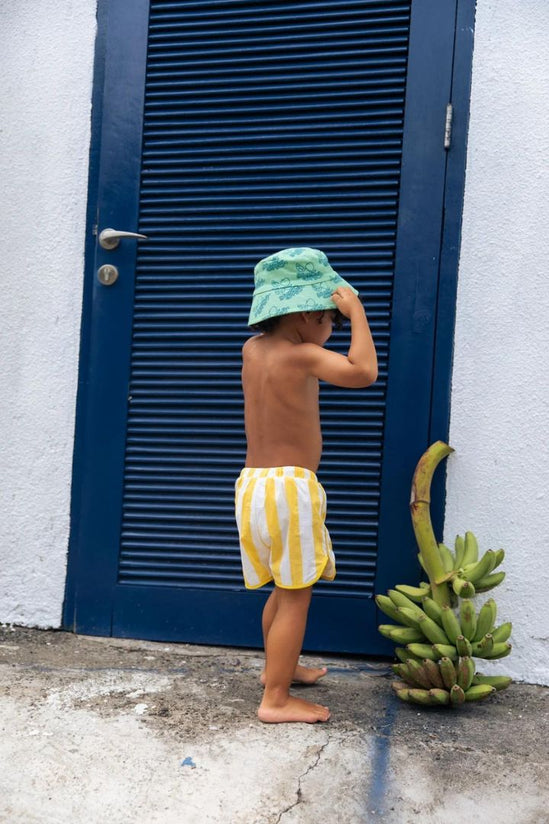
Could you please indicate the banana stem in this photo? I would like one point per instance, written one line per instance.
(421, 518)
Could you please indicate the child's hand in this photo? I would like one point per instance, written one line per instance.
(346, 300)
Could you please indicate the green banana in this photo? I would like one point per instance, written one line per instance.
(457, 696)
(489, 582)
(432, 609)
(445, 651)
(463, 646)
(398, 685)
(448, 672)
(500, 682)
(385, 604)
(500, 555)
(500, 650)
(465, 672)
(467, 618)
(479, 691)
(459, 551)
(447, 557)
(403, 654)
(420, 696)
(404, 635)
(439, 696)
(408, 616)
(419, 674)
(400, 635)
(422, 651)
(503, 632)
(402, 671)
(486, 619)
(462, 588)
(480, 569)
(450, 623)
(401, 600)
(471, 549)
(403, 694)
(482, 648)
(432, 631)
(413, 593)
(409, 674)
(386, 629)
(433, 672)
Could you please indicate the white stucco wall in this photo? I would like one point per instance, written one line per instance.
(498, 479)
(46, 59)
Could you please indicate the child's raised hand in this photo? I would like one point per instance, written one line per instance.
(346, 300)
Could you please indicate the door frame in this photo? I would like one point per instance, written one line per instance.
(93, 351)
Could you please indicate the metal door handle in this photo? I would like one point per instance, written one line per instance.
(110, 238)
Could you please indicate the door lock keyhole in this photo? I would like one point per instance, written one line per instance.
(107, 274)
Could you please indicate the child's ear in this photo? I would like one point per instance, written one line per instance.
(309, 317)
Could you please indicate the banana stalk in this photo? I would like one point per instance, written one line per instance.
(421, 520)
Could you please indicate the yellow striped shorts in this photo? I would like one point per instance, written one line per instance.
(280, 514)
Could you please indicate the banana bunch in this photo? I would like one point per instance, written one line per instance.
(436, 626)
(444, 682)
(465, 571)
(433, 632)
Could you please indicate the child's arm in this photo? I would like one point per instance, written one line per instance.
(359, 367)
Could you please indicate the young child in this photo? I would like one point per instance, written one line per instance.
(280, 505)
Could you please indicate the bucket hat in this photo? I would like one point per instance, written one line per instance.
(293, 280)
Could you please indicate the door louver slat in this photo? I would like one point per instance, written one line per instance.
(266, 126)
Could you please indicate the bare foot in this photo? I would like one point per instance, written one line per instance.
(294, 709)
(303, 675)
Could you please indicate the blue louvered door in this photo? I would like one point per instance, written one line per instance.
(231, 129)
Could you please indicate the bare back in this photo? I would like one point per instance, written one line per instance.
(281, 405)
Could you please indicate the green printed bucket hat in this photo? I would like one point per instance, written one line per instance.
(293, 280)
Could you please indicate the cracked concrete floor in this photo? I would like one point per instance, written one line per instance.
(130, 732)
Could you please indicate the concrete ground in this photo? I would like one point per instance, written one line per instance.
(127, 732)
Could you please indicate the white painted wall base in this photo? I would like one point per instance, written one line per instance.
(45, 101)
(498, 481)
(498, 478)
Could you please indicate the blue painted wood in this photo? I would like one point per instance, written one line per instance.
(103, 388)
(198, 615)
(98, 598)
(417, 264)
(240, 159)
(451, 241)
(215, 167)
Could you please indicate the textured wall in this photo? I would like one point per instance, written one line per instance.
(45, 92)
(498, 482)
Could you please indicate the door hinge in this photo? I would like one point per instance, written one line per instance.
(448, 126)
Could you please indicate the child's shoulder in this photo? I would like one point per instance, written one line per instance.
(251, 344)
(252, 340)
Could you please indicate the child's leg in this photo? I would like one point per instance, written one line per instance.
(269, 612)
(283, 645)
(302, 675)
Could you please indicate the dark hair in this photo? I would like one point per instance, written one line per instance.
(270, 324)
(266, 325)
